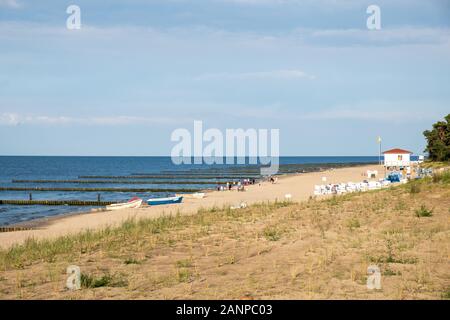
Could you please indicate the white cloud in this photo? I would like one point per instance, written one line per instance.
(11, 119)
(14, 4)
(203, 37)
(296, 2)
(367, 115)
(385, 36)
(387, 111)
(15, 119)
(379, 111)
(287, 74)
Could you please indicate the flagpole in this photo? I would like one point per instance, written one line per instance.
(379, 152)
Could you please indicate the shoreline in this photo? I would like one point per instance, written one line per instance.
(305, 168)
(299, 185)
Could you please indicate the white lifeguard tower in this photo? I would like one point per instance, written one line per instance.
(396, 158)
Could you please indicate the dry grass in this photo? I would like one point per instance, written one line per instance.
(311, 250)
(435, 164)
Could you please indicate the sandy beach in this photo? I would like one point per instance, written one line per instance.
(300, 186)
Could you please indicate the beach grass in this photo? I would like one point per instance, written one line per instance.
(442, 177)
(271, 250)
(435, 164)
(18, 256)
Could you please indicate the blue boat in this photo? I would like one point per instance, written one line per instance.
(168, 200)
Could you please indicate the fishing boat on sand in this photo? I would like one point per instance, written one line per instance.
(168, 200)
(131, 204)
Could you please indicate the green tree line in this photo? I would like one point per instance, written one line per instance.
(438, 140)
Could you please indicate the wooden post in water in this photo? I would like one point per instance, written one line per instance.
(31, 196)
(98, 197)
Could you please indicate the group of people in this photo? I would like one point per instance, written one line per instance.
(273, 179)
(239, 185)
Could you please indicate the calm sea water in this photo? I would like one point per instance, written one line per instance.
(70, 168)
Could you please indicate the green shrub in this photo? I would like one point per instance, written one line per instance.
(88, 281)
(131, 261)
(184, 263)
(414, 187)
(424, 212)
(272, 234)
(446, 294)
(183, 275)
(353, 224)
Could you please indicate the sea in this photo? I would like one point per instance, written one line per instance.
(154, 176)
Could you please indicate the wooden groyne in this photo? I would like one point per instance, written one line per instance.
(99, 189)
(57, 202)
(117, 181)
(12, 229)
(212, 174)
(201, 172)
(171, 177)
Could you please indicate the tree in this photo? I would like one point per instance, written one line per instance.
(438, 140)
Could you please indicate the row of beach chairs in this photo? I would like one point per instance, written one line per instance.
(348, 187)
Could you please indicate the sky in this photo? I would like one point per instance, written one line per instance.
(137, 70)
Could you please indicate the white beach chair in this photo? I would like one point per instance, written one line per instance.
(373, 185)
(351, 187)
(363, 186)
(318, 190)
(341, 188)
(385, 183)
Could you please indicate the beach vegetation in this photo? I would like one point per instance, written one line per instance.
(423, 211)
(353, 224)
(333, 201)
(446, 294)
(400, 205)
(192, 256)
(442, 177)
(184, 275)
(106, 280)
(428, 164)
(272, 233)
(389, 272)
(414, 187)
(390, 257)
(186, 263)
(131, 261)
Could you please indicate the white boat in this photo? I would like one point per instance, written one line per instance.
(198, 195)
(131, 204)
(168, 200)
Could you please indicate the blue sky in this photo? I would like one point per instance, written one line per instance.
(137, 70)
